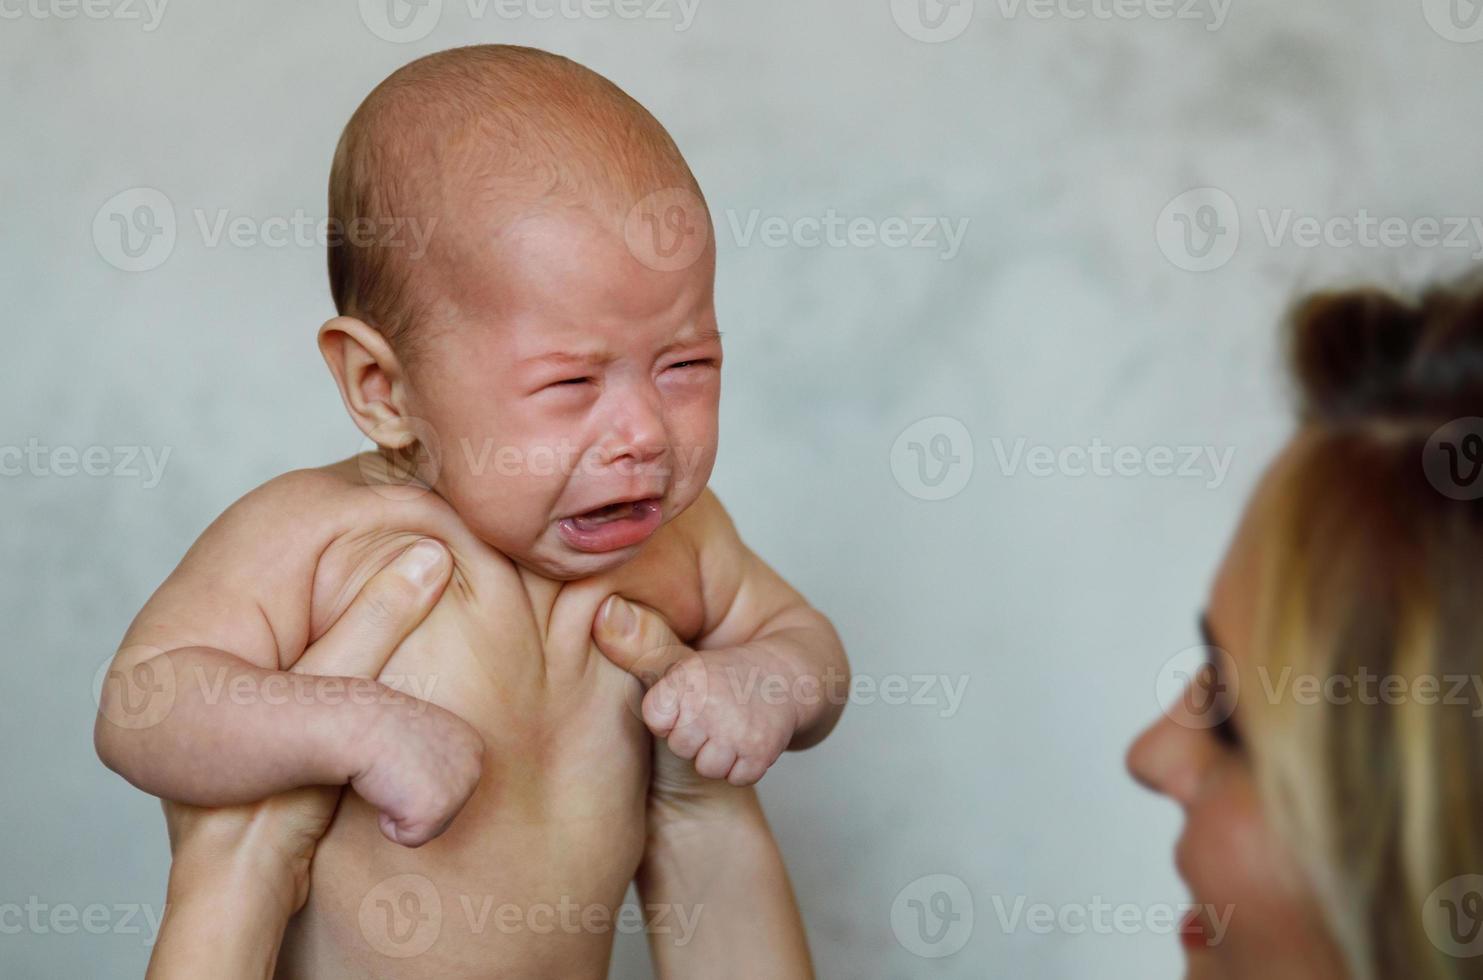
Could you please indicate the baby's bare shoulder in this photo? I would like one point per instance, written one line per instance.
(256, 580)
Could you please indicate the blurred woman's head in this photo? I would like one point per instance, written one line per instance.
(1330, 759)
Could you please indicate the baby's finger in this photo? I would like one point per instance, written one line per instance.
(390, 606)
(746, 772)
(637, 639)
(714, 760)
(678, 698)
(661, 707)
(686, 741)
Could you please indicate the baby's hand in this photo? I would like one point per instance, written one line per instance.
(730, 710)
(422, 764)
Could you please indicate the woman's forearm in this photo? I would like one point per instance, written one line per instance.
(726, 908)
(223, 918)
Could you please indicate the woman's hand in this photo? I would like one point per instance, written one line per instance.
(239, 873)
(640, 638)
(710, 854)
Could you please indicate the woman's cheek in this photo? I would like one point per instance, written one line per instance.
(1262, 917)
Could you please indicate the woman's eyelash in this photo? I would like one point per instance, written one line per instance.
(698, 360)
(1225, 733)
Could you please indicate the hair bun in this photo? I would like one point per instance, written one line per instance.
(1368, 353)
(1351, 352)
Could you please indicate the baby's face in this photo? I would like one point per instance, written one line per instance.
(574, 399)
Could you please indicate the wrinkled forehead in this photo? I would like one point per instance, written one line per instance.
(567, 273)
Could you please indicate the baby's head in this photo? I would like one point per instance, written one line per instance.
(554, 349)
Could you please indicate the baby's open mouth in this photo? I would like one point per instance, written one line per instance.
(615, 526)
(612, 512)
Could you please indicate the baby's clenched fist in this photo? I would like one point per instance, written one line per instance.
(420, 764)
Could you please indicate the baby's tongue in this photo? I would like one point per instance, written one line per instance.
(604, 515)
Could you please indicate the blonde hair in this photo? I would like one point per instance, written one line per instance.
(519, 125)
(1372, 563)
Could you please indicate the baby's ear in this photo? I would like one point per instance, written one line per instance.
(371, 380)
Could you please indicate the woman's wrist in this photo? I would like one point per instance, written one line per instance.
(228, 908)
(247, 873)
(706, 810)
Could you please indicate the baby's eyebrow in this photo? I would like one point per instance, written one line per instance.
(559, 358)
(692, 338)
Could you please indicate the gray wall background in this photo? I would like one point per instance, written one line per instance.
(1069, 315)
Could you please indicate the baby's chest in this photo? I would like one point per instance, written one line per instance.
(509, 650)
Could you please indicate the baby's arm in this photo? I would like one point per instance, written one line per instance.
(768, 672)
(197, 709)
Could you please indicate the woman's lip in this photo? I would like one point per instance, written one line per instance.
(625, 532)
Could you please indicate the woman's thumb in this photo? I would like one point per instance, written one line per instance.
(637, 639)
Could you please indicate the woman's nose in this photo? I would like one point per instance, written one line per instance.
(1169, 757)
